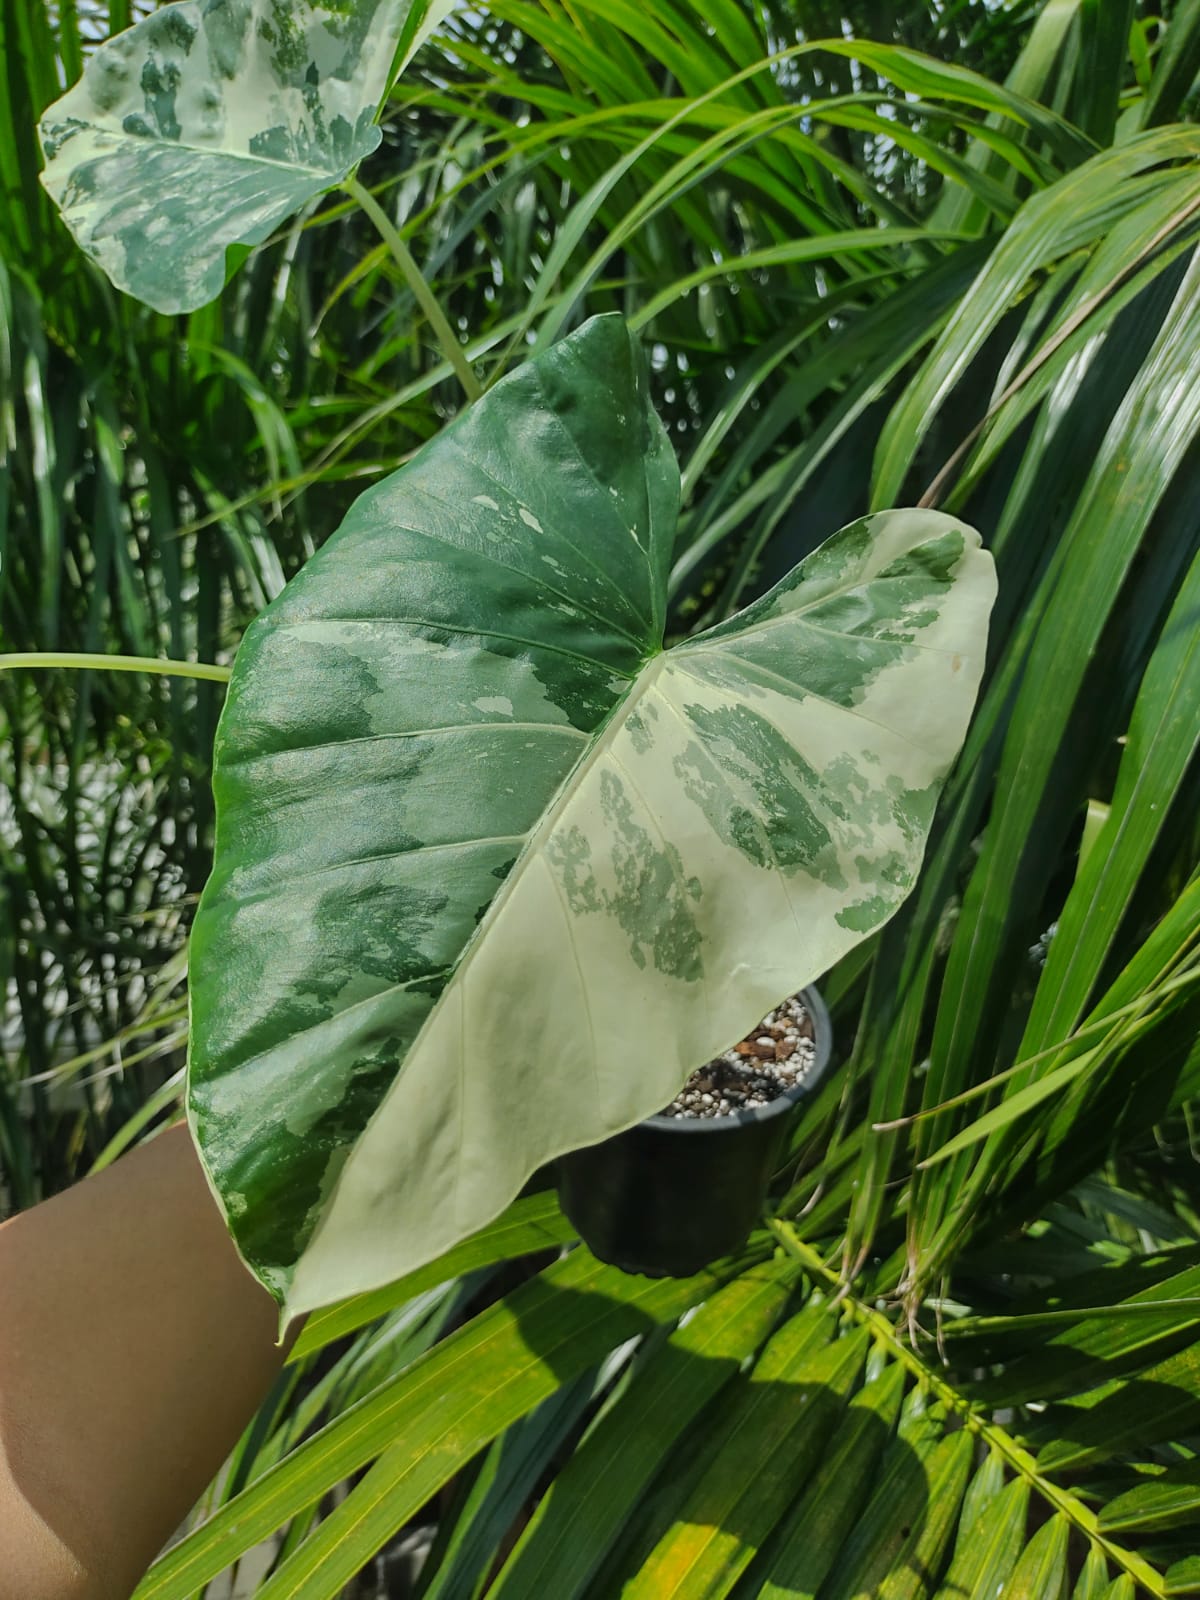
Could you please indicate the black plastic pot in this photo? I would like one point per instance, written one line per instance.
(670, 1195)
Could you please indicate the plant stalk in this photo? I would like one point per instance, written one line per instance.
(82, 660)
(448, 341)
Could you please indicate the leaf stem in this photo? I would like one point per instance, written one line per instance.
(448, 341)
(994, 1437)
(82, 660)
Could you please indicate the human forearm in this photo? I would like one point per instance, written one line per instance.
(134, 1347)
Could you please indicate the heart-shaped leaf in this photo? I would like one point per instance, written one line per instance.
(206, 124)
(494, 872)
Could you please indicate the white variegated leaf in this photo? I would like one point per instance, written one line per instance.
(495, 871)
(211, 121)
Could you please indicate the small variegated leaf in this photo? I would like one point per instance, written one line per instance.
(211, 121)
(494, 872)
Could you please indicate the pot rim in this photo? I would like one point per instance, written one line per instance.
(818, 1012)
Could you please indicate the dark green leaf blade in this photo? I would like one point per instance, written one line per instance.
(817, 1526)
(497, 1368)
(1169, 1501)
(765, 1451)
(987, 1550)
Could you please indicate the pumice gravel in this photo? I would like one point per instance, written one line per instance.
(773, 1057)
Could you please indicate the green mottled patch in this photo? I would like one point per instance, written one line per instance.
(865, 915)
(395, 938)
(160, 85)
(866, 802)
(311, 1134)
(312, 694)
(828, 566)
(274, 144)
(912, 809)
(173, 28)
(638, 724)
(888, 866)
(653, 897)
(569, 852)
(744, 754)
(931, 566)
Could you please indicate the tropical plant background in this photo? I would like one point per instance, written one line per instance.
(940, 252)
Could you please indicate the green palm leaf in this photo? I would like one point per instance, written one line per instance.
(498, 1368)
(599, 1490)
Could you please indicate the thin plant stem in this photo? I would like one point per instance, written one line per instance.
(82, 660)
(448, 341)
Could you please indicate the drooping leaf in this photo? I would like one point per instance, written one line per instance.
(1093, 1583)
(1170, 1501)
(494, 872)
(512, 1469)
(1073, 213)
(206, 124)
(1142, 448)
(987, 1551)
(898, 1511)
(1042, 1570)
(1094, 1342)
(829, 1506)
(1163, 736)
(1183, 1577)
(1162, 1402)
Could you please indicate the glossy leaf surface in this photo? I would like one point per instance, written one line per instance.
(495, 872)
(211, 121)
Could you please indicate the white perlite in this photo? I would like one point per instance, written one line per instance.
(773, 1057)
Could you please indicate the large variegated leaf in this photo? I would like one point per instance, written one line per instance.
(495, 872)
(209, 122)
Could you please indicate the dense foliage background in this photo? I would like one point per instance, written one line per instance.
(866, 276)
